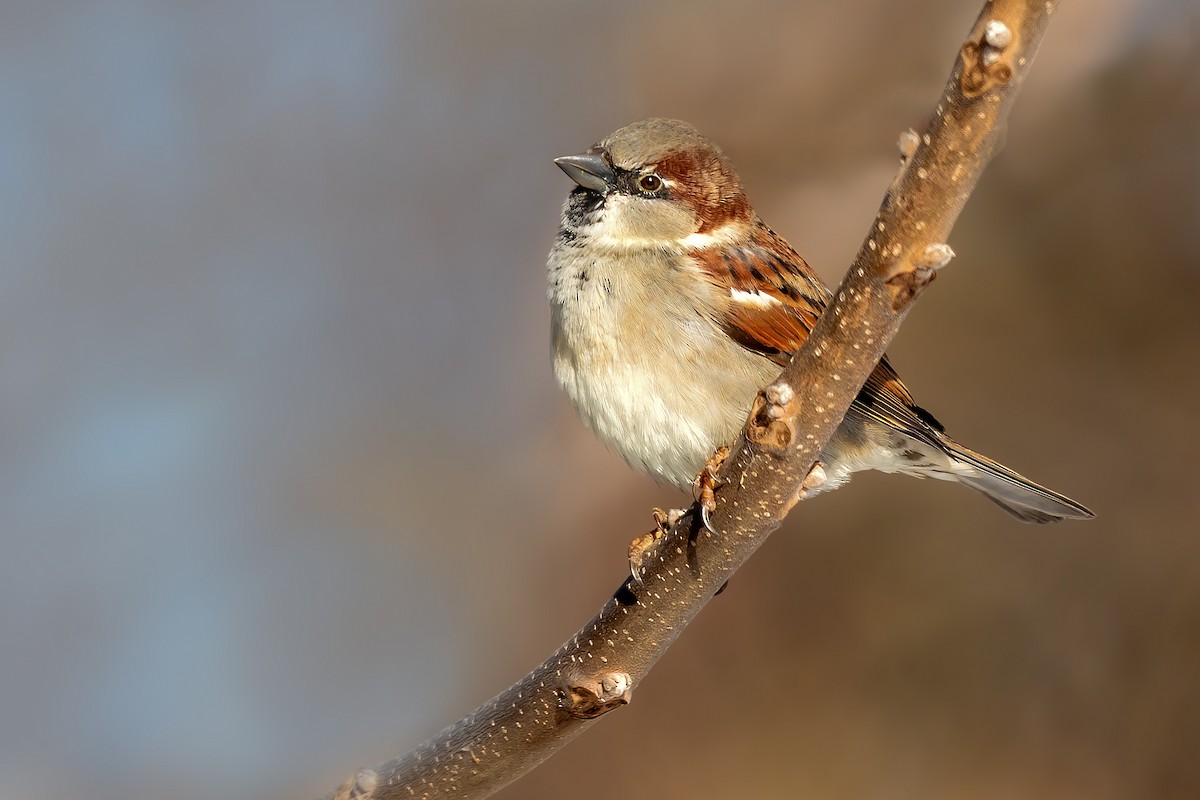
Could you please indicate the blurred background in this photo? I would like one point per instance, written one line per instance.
(286, 485)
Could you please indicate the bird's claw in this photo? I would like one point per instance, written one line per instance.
(641, 547)
(705, 487)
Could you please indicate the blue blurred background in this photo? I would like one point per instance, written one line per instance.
(285, 484)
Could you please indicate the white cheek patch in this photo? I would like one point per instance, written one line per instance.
(633, 223)
(754, 299)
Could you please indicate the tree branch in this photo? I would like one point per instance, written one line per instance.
(765, 474)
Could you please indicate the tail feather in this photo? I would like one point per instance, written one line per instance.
(1015, 493)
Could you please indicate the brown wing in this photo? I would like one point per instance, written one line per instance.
(774, 301)
(772, 298)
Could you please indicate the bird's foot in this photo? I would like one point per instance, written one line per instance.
(704, 488)
(641, 548)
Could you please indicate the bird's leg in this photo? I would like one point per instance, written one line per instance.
(641, 547)
(704, 488)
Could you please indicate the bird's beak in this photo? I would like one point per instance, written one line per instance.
(590, 170)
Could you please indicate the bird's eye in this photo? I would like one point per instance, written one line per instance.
(649, 183)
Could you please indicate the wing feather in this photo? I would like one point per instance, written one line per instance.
(770, 299)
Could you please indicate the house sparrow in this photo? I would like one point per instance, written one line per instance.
(672, 304)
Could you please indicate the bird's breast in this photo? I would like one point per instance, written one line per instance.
(642, 363)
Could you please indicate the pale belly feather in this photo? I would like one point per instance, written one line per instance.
(665, 403)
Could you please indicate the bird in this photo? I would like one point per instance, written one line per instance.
(672, 304)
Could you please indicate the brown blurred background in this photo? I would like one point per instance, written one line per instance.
(286, 486)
